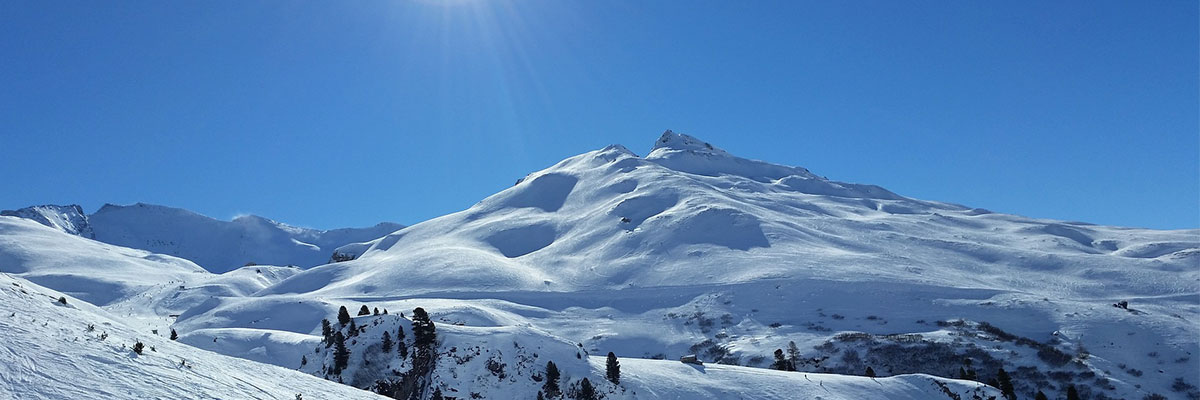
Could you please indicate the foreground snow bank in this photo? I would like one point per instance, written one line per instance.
(51, 350)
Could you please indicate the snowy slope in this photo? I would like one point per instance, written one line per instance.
(69, 219)
(95, 272)
(76, 351)
(508, 362)
(221, 246)
(733, 258)
(673, 380)
(686, 216)
(142, 287)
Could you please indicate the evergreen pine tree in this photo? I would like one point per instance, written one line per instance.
(962, 373)
(385, 311)
(138, 346)
(341, 355)
(541, 396)
(551, 385)
(402, 347)
(423, 329)
(1006, 386)
(586, 391)
(1040, 396)
(353, 330)
(870, 372)
(780, 362)
(437, 394)
(793, 356)
(387, 342)
(174, 335)
(303, 360)
(612, 369)
(364, 310)
(343, 316)
(326, 333)
(1072, 394)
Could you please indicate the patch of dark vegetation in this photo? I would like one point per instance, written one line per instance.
(496, 367)
(1053, 356)
(976, 394)
(967, 356)
(1187, 389)
(713, 351)
(699, 319)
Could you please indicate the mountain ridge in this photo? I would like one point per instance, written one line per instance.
(216, 245)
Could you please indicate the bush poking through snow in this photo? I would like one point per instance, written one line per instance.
(138, 346)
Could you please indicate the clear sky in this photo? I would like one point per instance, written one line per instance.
(330, 114)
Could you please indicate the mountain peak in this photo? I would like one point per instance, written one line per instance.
(69, 218)
(679, 141)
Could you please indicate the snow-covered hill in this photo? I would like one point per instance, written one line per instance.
(691, 249)
(221, 246)
(52, 350)
(216, 245)
(510, 362)
(96, 272)
(688, 215)
(69, 219)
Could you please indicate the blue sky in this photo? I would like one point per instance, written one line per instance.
(330, 114)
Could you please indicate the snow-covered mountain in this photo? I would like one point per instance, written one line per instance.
(689, 250)
(691, 214)
(692, 249)
(69, 219)
(216, 245)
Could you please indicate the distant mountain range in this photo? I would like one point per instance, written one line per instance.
(215, 245)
